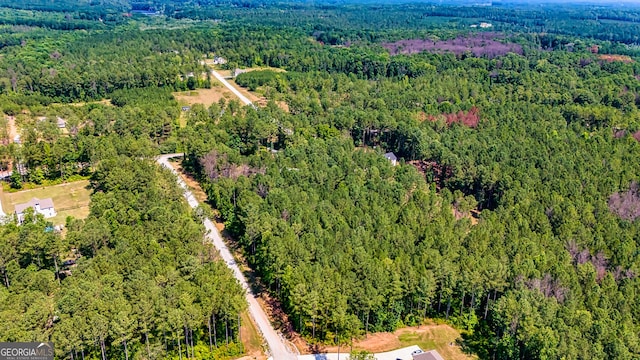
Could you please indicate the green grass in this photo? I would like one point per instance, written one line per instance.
(417, 339)
(432, 335)
(251, 340)
(69, 199)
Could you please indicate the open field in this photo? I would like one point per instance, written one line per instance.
(441, 337)
(205, 97)
(69, 199)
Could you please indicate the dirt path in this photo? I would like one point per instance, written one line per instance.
(12, 129)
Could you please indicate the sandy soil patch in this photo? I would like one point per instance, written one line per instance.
(106, 102)
(191, 182)
(283, 105)
(250, 339)
(612, 58)
(205, 97)
(12, 129)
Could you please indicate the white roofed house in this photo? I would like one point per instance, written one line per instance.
(62, 123)
(39, 206)
(392, 158)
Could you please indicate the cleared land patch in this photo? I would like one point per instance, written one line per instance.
(69, 199)
(205, 97)
(612, 58)
(441, 337)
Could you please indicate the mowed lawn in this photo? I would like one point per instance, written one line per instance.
(69, 199)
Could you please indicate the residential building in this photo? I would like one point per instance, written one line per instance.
(39, 206)
(392, 158)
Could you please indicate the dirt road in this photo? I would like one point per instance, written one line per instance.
(235, 91)
(277, 346)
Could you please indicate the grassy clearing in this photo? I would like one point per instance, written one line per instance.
(251, 339)
(441, 337)
(69, 199)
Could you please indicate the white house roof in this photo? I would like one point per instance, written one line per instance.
(391, 156)
(44, 204)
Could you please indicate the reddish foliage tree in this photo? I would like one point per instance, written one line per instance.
(626, 204)
(470, 119)
(479, 45)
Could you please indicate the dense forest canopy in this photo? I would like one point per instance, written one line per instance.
(512, 213)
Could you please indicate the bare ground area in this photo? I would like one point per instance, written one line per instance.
(103, 102)
(283, 105)
(12, 129)
(613, 57)
(251, 340)
(205, 97)
(191, 182)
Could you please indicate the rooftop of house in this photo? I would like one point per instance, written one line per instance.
(390, 156)
(428, 355)
(43, 203)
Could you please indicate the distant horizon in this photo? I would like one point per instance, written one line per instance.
(607, 3)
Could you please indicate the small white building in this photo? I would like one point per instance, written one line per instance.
(39, 206)
(392, 158)
(217, 60)
(237, 72)
(62, 123)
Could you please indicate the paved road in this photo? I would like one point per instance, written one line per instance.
(400, 354)
(224, 82)
(277, 346)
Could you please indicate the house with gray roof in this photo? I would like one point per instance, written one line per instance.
(427, 355)
(39, 206)
(392, 158)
